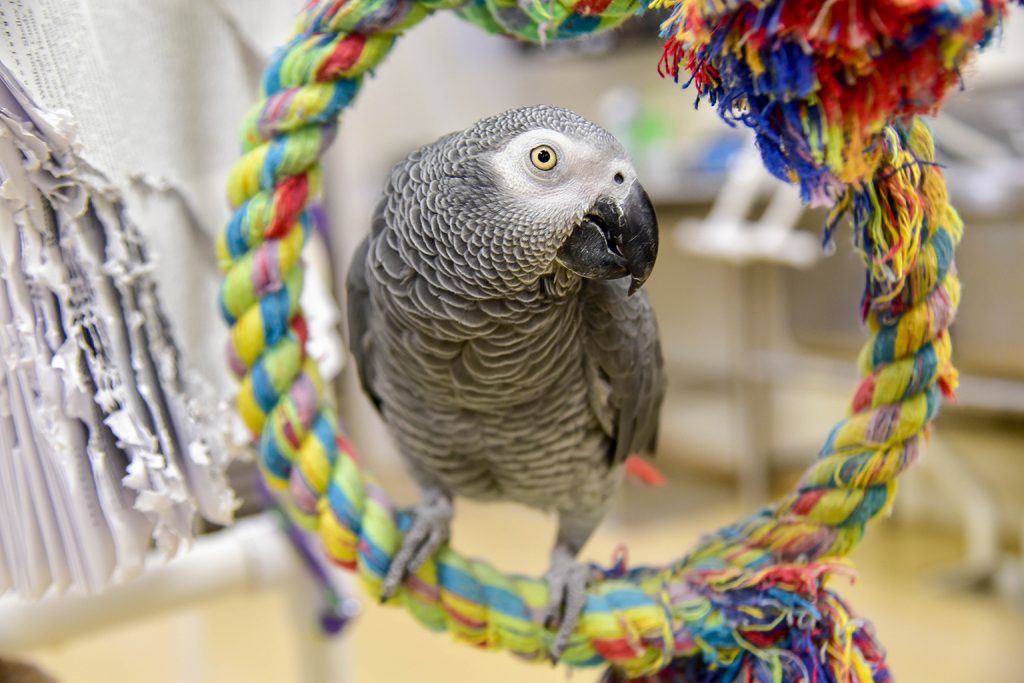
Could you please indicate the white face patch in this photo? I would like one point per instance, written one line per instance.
(545, 182)
(582, 172)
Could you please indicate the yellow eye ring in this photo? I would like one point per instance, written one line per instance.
(543, 157)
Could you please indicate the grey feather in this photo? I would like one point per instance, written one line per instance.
(359, 310)
(626, 372)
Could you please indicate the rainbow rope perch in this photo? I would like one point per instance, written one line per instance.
(830, 91)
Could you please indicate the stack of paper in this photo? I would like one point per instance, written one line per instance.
(118, 128)
(105, 441)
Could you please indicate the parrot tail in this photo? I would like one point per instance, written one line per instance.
(644, 471)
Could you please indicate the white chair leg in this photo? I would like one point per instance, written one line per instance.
(977, 509)
(321, 657)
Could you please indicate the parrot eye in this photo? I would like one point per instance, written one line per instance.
(543, 157)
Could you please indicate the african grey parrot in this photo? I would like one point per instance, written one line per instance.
(493, 321)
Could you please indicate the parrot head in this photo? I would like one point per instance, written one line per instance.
(551, 190)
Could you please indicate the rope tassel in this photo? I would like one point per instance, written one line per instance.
(823, 86)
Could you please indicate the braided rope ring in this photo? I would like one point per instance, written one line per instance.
(753, 598)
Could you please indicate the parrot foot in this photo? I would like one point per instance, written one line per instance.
(429, 530)
(567, 584)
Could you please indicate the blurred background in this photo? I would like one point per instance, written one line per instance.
(760, 330)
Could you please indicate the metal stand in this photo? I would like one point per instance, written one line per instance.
(253, 555)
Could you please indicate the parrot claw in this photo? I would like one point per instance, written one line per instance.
(429, 530)
(567, 584)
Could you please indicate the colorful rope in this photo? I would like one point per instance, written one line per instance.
(752, 602)
(819, 81)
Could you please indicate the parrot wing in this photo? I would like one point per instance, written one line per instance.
(625, 369)
(360, 340)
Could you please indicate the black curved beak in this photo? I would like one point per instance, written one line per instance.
(615, 239)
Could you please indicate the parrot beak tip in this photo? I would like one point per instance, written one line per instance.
(638, 279)
(616, 238)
